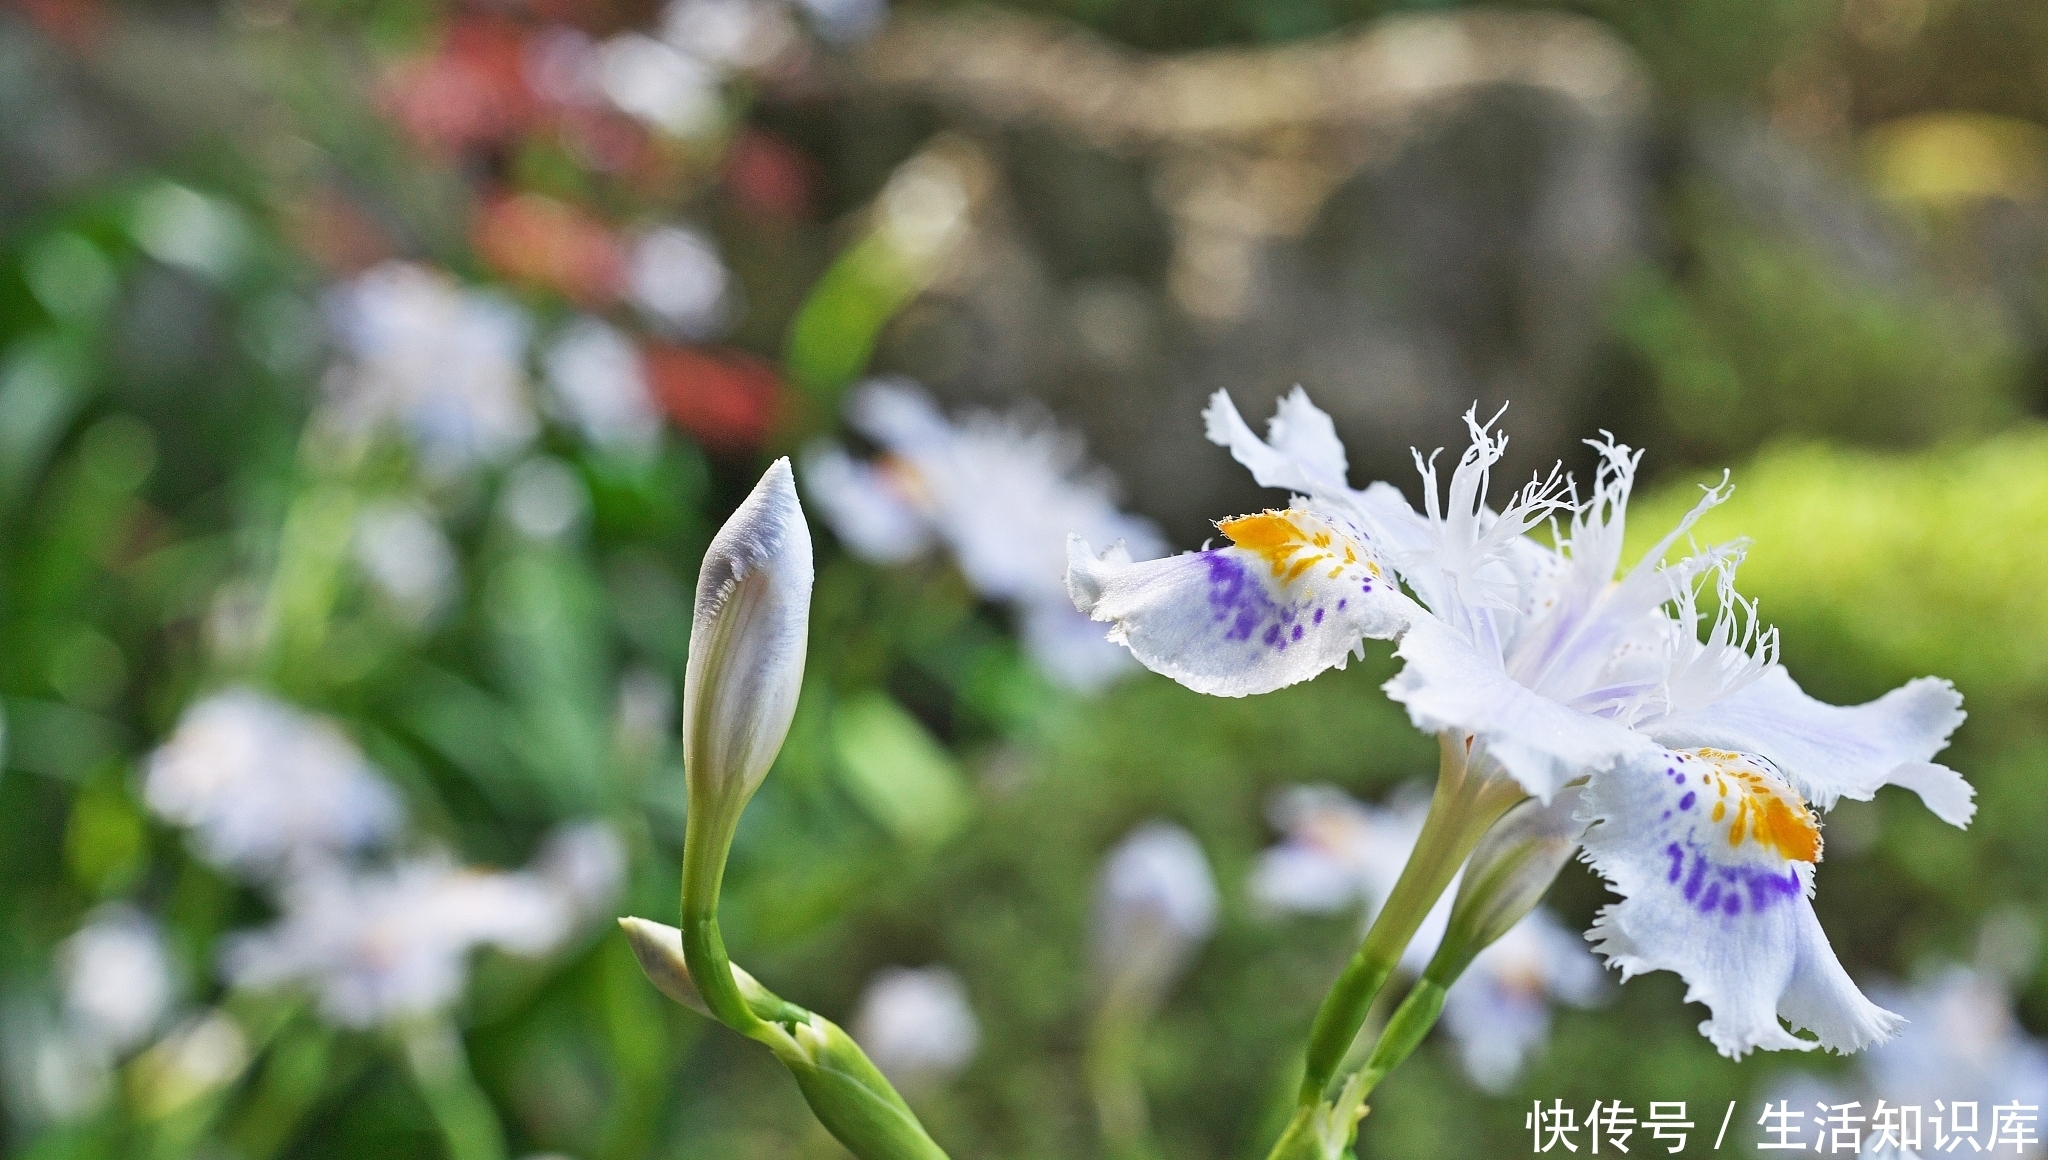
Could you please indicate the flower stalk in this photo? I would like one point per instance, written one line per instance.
(747, 644)
(1470, 795)
(1508, 872)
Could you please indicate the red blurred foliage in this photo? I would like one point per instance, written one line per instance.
(606, 140)
(768, 177)
(727, 399)
(471, 91)
(75, 24)
(336, 232)
(539, 241)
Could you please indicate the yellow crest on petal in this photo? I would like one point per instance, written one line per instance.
(1294, 541)
(1758, 806)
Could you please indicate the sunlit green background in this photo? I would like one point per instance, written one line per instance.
(1833, 284)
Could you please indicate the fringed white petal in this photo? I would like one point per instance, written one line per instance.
(1293, 597)
(1301, 453)
(1448, 685)
(1713, 857)
(1834, 751)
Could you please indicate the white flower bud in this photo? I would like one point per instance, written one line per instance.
(1510, 869)
(747, 644)
(659, 949)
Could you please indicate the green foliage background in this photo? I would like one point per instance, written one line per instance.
(1891, 471)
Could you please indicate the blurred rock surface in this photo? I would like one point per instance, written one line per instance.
(1407, 219)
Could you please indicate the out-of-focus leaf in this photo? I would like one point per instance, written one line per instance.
(56, 740)
(899, 774)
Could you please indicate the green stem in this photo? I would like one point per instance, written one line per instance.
(1465, 803)
(706, 840)
(460, 1108)
(1405, 1031)
(1113, 1085)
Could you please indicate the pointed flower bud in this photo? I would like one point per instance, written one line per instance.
(660, 951)
(747, 645)
(1510, 869)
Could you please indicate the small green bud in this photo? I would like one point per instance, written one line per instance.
(850, 1097)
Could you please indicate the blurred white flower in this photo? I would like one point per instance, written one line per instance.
(266, 787)
(384, 945)
(1155, 905)
(1960, 1042)
(115, 979)
(654, 82)
(1337, 853)
(1498, 1012)
(923, 213)
(676, 279)
(443, 363)
(53, 1074)
(585, 862)
(877, 509)
(544, 499)
(916, 1024)
(596, 381)
(1340, 854)
(1000, 494)
(401, 548)
(728, 34)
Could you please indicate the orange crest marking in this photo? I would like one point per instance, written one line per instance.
(1765, 808)
(1294, 541)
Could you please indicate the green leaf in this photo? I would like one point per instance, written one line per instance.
(897, 771)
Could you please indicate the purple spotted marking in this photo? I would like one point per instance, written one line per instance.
(1319, 615)
(1238, 601)
(1235, 597)
(1722, 891)
(1766, 890)
(1685, 803)
(1342, 601)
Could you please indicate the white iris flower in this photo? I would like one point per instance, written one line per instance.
(377, 946)
(1000, 493)
(1705, 764)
